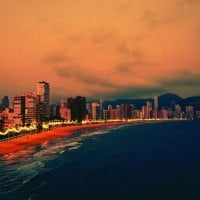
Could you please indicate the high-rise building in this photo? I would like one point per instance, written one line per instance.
(178, 111)
(96, 115)
(155, 107)
(189, 112)
(77, 105)
(43, 93)
(101, 109)
(148, 109)
(109, 112)
(55, 111)
(165, 114)
(19, 110)
(30, 108)
(5, 103)
(155, 103)
(65, 113)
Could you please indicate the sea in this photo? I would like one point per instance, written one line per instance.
(157, 161)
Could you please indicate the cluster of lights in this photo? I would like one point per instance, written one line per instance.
(46, 126)
(18, 130)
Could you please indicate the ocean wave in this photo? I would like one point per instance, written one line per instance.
(29, 169)
(61, 152)
(20, 174)
(98, 132)
(18, 156)
(73, 143)
(49, 151)
(75, 147)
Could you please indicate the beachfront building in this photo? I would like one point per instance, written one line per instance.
(65, 112)
(164, 114)
(116, 113)
(43, 100)
(95, 111)
(148, 109)
(19, 110)
(30, 108)
(189, 112)
(7, 119)
(25, 107)
(135, 114)
(54, 111)
(77, 105)
(177, 112)
(155, 111)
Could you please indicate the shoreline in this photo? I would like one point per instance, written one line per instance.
(25, 141)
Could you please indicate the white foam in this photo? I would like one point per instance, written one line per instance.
(99, 132)
(71, 144)
(75, 147)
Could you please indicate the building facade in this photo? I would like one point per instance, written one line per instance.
(43, 100)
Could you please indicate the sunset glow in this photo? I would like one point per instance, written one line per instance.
(100, 49)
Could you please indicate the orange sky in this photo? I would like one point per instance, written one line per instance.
(101, 49)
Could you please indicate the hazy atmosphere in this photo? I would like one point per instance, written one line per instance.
(100, 49)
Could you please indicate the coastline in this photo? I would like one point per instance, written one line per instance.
(25, 141)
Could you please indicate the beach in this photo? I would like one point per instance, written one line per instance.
(25, 141)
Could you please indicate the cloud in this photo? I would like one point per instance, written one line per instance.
(187, 79)
(191, 1)
(136, 92)
(128, 50)
(55, 57)
(102, 36)
(81, 74)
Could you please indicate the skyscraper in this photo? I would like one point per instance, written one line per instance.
(156, 103)
(148, 109)
(95, 111)
(19, 110)
(30, 108)
(78, 108)
(43, 99)
(155, 107)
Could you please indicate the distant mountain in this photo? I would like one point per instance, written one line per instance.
(192, 101)
(165, 100)
(169, 100)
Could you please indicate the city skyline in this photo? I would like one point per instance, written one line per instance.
(32, 110)
(102, 50)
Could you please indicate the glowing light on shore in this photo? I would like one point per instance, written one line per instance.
(18, 130)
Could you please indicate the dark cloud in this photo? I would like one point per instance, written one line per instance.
(131, 67)
(187, 80)
(136, 92)
(124, 68)
(170, 14)
(56, 57)
(63, 71)
(82, 74)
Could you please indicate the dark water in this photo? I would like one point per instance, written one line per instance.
(145, 161)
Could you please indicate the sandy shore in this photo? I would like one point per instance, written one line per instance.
(26, 141)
